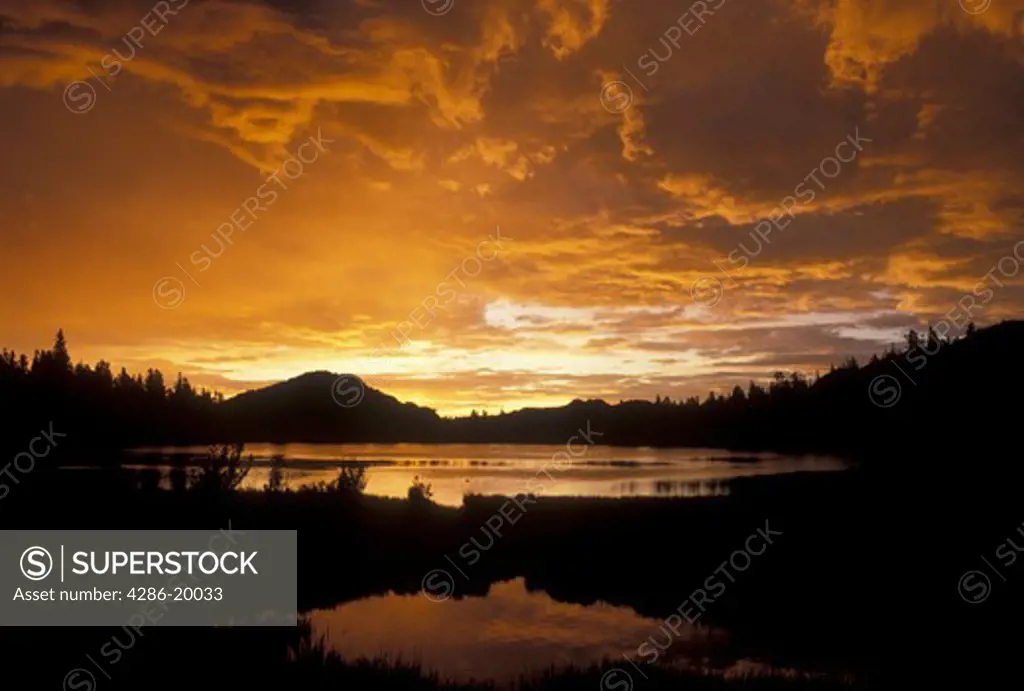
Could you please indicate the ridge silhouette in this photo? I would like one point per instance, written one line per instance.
(957, 386)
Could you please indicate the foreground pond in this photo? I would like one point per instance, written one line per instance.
(512, 632)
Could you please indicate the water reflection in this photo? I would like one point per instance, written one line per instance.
(458, 469)
(510, 632)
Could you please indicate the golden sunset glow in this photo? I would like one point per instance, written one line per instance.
(475, 221)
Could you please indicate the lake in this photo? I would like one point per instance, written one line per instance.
(513, 631)
(454, 470)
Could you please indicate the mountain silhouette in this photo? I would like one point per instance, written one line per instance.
(933, 393)
(325, 407)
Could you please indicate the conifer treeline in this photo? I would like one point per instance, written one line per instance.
(932, 393)
(95, 407)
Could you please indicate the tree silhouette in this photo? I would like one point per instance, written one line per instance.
(101, 413)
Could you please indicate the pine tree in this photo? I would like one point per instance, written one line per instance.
(60, 352)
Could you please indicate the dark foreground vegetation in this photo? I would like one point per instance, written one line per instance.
(959, 386)
(291, 659)
(861, 586)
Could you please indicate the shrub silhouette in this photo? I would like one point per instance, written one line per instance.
(276, 482)
(351, 479)
(420, 492)
(351, 482)
(222, 470)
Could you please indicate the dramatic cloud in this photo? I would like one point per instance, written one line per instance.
(688, 196)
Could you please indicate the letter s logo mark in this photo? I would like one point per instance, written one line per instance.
(38, 558)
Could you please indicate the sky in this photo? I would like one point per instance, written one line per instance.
(493, 204)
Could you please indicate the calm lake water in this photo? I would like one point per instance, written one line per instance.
(511, 632)
(454, 470)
